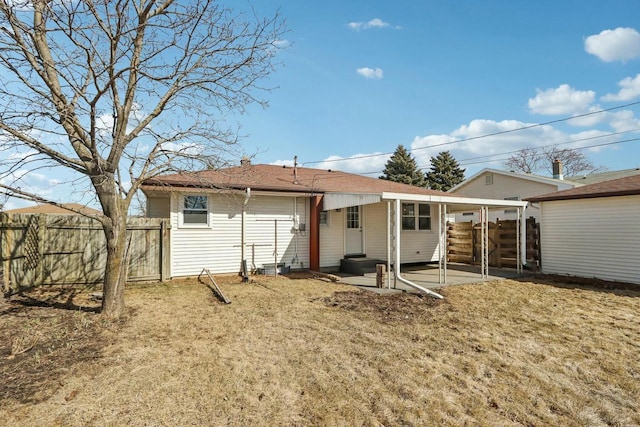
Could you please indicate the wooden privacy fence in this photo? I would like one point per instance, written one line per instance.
(39, 249)
(464, 243)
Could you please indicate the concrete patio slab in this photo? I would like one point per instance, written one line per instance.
(426, 275)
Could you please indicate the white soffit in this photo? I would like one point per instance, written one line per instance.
(333, 201)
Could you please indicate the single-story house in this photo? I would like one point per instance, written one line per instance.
(592, 231)
(302, 217)
(505, 185)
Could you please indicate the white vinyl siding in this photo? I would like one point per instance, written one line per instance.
(376, 231)
(332, 240)
(597, 237)
(415, 246)
(218, 247)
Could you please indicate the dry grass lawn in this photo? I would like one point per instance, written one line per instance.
(307, 352)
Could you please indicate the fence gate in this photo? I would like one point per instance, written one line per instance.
(463, 243)
(39, 249)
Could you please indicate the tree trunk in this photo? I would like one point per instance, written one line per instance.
(114, 225)
(116, 268)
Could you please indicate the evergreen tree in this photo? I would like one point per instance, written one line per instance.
(402, 167)
(445, 172)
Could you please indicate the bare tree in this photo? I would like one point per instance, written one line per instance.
(120, 91)
(540, 160)
(527, 160)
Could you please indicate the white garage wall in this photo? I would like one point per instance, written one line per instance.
(597, 237)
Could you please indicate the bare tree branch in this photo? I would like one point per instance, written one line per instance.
(120, 91)
(540, 161)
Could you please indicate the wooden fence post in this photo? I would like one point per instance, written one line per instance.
(165, 254)
(5, 251)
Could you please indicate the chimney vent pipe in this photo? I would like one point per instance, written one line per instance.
(557, 169)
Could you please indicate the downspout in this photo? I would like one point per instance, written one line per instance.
(523, 238)
(296, 230)
(242, 233)
(397, 260)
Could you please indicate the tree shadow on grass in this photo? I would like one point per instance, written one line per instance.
(63, 297)
(587, 284)
(43, 338)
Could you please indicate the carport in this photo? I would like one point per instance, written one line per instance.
(446, 205)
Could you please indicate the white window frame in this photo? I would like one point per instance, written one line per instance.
(182, 208)
(416, 216)
(326, 222)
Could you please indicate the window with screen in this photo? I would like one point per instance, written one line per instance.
(195, 210)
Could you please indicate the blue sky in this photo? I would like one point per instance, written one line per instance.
(438, 71)
(358, 78)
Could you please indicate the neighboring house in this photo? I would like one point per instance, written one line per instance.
(505, 185)
(55, 210)
(220, 217)
(592, 231)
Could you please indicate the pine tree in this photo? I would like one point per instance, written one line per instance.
(445, 172)
(402, 167)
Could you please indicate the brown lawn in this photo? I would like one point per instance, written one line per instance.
(307, 352)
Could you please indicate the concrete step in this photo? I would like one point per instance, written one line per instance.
(359, 266)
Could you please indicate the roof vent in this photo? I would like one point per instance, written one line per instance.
(245, 161)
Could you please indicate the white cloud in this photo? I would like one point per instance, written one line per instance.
(281, 43)
(621, 44)
(591, 119)
(622, 121)
(373, 23)
(561, 100)
(629, 90)
(469, 144)
(184, 148)
(370, 73)
(33, 182)
(505, 140)
(358, 163)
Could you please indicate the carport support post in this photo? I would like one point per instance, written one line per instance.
(523, 238)
(518, 252)
(389, 244)
(440, 243)
(444, 218)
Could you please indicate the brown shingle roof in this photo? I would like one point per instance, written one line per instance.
(616, 187)
(52, 209)
(279, 178)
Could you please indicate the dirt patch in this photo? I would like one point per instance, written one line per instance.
(45, 334)
(390, 307)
